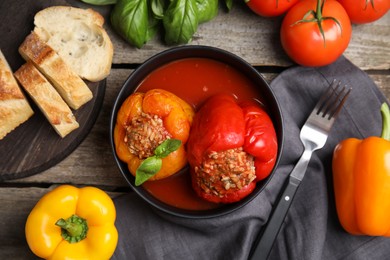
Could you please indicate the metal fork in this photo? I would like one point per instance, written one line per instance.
(313, 135)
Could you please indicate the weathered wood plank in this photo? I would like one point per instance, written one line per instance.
(370, 45)
(383, 82)
(16, 252)
(256, 39)
(15, 207)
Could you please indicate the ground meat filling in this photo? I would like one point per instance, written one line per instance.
(225, 171)
(144, 134)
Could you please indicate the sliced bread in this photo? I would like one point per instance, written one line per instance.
(78, 36)
(70, 86)
(14, 108)
(47, 98)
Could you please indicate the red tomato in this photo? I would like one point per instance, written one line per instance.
(303, 41)
(365, 11)
(270, 8)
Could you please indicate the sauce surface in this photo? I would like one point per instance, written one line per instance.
(193, 80)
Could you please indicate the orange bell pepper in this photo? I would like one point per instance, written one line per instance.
(361, 176)
(176, 116)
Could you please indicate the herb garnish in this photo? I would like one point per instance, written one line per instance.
(151, 165)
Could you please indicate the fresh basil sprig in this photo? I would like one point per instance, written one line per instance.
(137, 21)
(151, 165)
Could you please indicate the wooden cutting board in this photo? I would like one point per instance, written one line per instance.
(34, 146)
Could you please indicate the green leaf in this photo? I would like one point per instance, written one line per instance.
(229, 4)
(148, 168)
(207, 10)
(154, 25)
(151, 165)
(157, 7)
(167, 147)
(100, 2)
(180, 21)
(130, 18)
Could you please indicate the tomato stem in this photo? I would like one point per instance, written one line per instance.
(318, 18)
(371, 2)
(318, 12)
(385, 121)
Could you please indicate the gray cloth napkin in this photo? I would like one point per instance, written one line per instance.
(311, 229)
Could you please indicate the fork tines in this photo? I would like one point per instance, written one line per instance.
(332, 100)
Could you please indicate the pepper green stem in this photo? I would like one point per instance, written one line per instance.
(73, 229)
(385, 111)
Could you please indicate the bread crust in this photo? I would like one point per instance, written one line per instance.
(79, 37)
(14, 107)
(88, 15)
(70, 86)
(47, 98)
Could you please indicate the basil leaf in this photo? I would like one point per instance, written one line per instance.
(154, 25)
(207, 10)
(229, 4)
(180, 21)
(157, 7)
(167, 147)
(130, 19)
(99, 2)
(149, 167)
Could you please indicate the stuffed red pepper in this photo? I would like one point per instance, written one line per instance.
(231, 147)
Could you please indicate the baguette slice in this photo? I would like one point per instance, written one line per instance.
(14, 107)
(70, 86)
(78, 36)
(47, 98)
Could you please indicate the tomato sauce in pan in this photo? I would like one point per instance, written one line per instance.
(193, 80)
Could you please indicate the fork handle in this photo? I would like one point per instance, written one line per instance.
(266, 240)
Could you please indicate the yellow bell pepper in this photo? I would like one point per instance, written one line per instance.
(72, 223)
(361, 177)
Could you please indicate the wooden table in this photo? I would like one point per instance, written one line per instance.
(254, 38)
